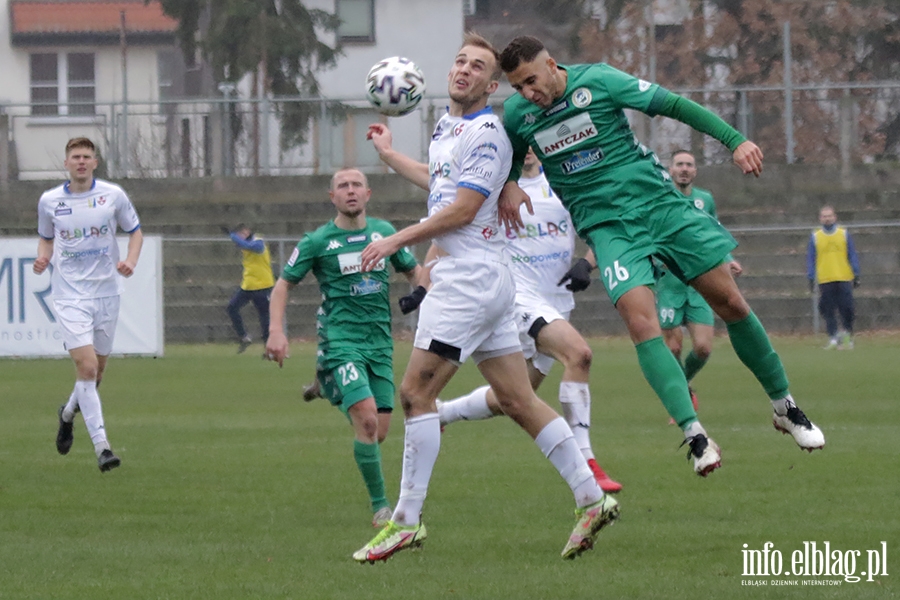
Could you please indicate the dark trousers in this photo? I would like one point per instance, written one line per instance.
(241, 298)
(837, 296)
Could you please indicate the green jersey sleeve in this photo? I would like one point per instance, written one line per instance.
(700, 118)
(519, 147)
(300, 261)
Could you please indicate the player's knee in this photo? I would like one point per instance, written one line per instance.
(733, 307)
(702, 349)
(579, 358)
(674, 346)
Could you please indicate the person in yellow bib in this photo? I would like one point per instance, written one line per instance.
(256, 283)
(831, 262)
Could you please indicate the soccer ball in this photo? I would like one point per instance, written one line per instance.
(395, 86)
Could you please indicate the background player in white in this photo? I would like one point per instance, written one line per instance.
(541, 256)
(470, 308)
(77, 224)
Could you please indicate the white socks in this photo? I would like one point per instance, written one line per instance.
(422, 442)
(471, 407)
(68, 414)
(782, 405)
(89, 403)
(558, 444)
(575, 400)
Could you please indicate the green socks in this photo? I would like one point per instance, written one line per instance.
(692, 364)
(752, 346)
(664, 374)
(368, 459)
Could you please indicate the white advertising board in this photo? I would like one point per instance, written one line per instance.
(28, 325)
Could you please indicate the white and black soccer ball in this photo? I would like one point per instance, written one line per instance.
(395, 86)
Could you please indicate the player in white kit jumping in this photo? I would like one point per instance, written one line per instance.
(470, 310)
(77, 224)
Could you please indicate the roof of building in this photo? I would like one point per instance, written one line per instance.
(94, 21)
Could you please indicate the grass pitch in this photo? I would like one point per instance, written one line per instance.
(232, 487)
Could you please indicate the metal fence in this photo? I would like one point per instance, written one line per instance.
(833, 124)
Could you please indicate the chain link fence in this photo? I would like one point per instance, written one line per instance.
(832, 124)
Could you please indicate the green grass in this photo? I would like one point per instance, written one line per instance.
(232, 487)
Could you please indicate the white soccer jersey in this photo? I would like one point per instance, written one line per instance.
(472, 152)
(83, 229)
(541, 252)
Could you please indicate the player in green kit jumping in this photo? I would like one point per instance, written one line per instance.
(355, 354)
(624, 205)
(678, 304)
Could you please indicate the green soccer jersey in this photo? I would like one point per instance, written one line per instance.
(356, 309)
(590, 156)
(703, 200)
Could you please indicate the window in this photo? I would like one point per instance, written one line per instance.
(62, 84)
(357, 20)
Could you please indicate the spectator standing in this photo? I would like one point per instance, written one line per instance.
(831, 262)
(256, 283)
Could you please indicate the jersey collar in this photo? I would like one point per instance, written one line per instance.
(68, 191)
(484, 111)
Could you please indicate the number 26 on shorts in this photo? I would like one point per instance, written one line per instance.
(615, 274)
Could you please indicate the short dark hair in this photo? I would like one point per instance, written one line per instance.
(80, 142)
(682, 151)
(479, 41)
(522, 49)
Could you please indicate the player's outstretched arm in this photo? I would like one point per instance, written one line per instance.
(277, 344)
(408, 168)
(749, 158)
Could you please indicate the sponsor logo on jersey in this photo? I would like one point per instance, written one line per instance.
(555, 109)
(83, 232)
(530, 119)
(563, 136)
(581, 97)
(438, 131)
(486, 150)
(85, 253)
(532, 230)
(350, 263)
(699, 203)
(62, 209)
(365, 287)
(439, 170)
(581, 160)
(488, 232)
(643, 85)
(334, 245)
(541, 258)
(478, 172)
(376, 236)
(294, 256)
(488, 125)
(459, 129)
(353, 239)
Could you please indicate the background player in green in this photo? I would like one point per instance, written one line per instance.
(624, 205)
(678, 304)
(355, 366)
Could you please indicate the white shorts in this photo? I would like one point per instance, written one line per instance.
(530, 308)
(88, 322)
(469, 311)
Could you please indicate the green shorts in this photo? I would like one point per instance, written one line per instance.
(679, 304)
(348, 376)
(687, 239)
